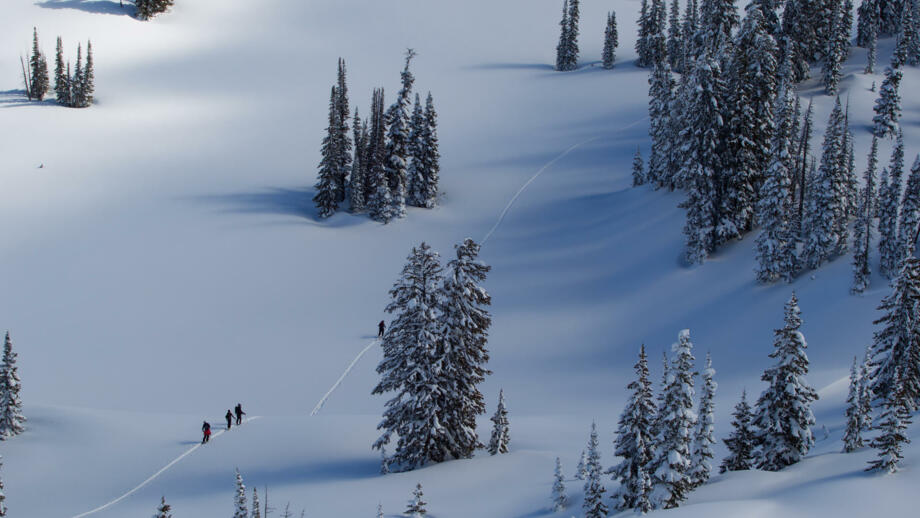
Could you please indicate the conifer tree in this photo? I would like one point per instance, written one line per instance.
(358, 185)
(163, 510)
(12, 422)
(638, 169)
(799, 37)
(562, 48)
(856, 420)
(718, 19)
(39, 70)
(741, 441)
(501, 434)
(661, 90)
(2, 497)
(594, 505)
(464, 323)
(611, 42)
(239, 501)
(835, 51)
(862, 230)
(700, 467)
(675, 42)
(87, 79)
(379, 510)
(410, 348)
(326, 199)
(691, 23)
(572, 33)
(783, 416)
(657, 38)
(872, 52)
(895, 419)
(416, 508)
(378, 187)
(642, 50)
(397, 142)
(61, 76)
(910, 28)
(581, 471)
(670, 467)
(888, 105)
(342, 138)
(76, 81)
(888, 210)
(415, 183)
(384, 461)
(909, 219)
(256, 510)
(427, 163)
(895, 350)
(559, 498)
(635, 443)
(900, 54)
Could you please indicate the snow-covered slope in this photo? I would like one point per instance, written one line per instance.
(166, 262)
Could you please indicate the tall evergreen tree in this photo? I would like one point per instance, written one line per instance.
(76, 81)
(501, 434)
(39, 70)
(572, 48)
(611, 41)
(783, 412)
(343, 139)
(700, 466)
(61, 76)
(909, 219)
(836, 50)
(593, 504)
(581, 471)
(397, 142)
(895, 350)
(888, 105)
(2, 497)
(256, 511)
(163, 510)
(670, 467)
(872, 52)
(326, 199)
(638, 169)
(416, 145)
(675, 42)
(635, 442)
(464, 324)
(644, 23)
(862, 230)
(799, 37)
(239, 500)
(895, 419)
(562, 48)
(416, 508)
(741, 441)
(427, 163)
(657, 37)
(661, 90)
(378, 187)
(888, 210)
(87, 79)
(856, 419)
(408, 365)
(691, 23)
(559, 498)
(12, 422)
(717, 21)
(358, 184)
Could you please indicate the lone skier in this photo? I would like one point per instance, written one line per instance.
(380, 329)
(206, 430)
(239, 413)
(229, 417)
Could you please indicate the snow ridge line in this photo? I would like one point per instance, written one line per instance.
(155, 475)
(322, 401)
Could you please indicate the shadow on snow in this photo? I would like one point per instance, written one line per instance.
(91, 6)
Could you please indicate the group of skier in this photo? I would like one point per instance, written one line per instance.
(237, 410)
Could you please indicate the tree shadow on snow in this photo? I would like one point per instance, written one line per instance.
(16, 98)
(280, 201)
(91, 6)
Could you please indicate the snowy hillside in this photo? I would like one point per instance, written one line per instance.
(161, 261)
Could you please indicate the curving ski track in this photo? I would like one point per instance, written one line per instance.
(155, 475)
(322, 401)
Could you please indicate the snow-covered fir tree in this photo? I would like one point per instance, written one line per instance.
(892, 437)
(702, 162)
(581, 471)
(407, 368)
(862, 229)
(888, 105)
(889, 209)
(690, 26)
(426, 158)
(2, 497)
(40, 82)
(900, 54)
(357, 186)
(635, 443)
(798, 37)
(856, 418)
(593, 504)
(379, 200)
(895, 348)
(825, 225)
(326, 199)
(910, 30)
(675, 42)
(147, 9)
(741, 441)
(562, 48)
(342, 139)
(909, 218)
(256, 509)
(567, 50)
(239, 500)
(661, 89)
(559, 498)
(703, 440)
(416, 508)
(61, 77)
(397, 143)
(416, 123)
(501, 433)
(670, 467)
(379, 510)
(638, 169)
(163, 510)
(783, 411)
(717, 21)
(776, 254)
(12, 422)
(611, 41)
(657, 36)
(872, 50)
(836, 50)
(384, 461)
(464, 324)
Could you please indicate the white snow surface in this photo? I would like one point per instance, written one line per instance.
(166, 263)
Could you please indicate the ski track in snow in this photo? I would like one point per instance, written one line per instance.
(155, 475)
(322, 401)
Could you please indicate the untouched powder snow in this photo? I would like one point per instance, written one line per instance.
(166, 263)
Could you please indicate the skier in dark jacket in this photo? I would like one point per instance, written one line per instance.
(380, 329)
(229, 417)
(206, 430)
(238, 410)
